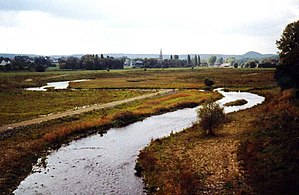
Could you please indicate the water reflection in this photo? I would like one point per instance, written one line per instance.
(105, 164)
(55, 85)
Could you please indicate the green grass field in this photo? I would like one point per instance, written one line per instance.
(17, 106)
(138, 78)
(182, 78)
(21, 148)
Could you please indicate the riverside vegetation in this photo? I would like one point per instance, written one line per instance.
(21, 147)
(255, 152)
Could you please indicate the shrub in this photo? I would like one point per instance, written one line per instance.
(208, 82)
(211, 116)
(125, 118)
(40, 68)
(236, 65)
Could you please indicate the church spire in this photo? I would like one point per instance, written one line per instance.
(161, 55)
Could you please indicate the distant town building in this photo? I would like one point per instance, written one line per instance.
(138, 63)
(4, 63)
(225, 65)
(128, 62)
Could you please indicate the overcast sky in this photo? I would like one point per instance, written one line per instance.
(141, 26)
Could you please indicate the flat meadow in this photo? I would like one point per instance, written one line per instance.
(18, 104)
(21, 147)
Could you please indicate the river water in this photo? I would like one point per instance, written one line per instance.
(105, 164)
(55, 85)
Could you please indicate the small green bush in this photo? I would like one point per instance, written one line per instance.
(125, 118)
(208, 82)
(211, 116)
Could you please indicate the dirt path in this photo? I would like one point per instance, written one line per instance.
(57, 76)
(80, 110)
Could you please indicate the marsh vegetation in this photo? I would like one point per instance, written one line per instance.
(22, 147)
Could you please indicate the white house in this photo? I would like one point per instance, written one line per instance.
(3, 63)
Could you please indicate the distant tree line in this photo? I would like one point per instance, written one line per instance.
(270, 62)
(195, 60)
(173, 62)
(91, 62)
(25, 63)
(156, 63)
(262, 63)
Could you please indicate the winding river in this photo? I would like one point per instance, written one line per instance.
(105, 164)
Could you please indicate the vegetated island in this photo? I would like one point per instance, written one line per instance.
(236, 103)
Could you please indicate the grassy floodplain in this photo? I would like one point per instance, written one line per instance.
(182, 78)
(17, 104)
(255, 152)
(23, 105)
(21, 148)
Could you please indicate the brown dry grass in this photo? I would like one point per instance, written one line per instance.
(270, 153)
(24, 146)
(211, 164)
(183, 78)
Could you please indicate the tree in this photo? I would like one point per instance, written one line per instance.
(251, 64)
(171, 57)
(176, 57)
(268, 63)
(198, 60)
(195, 60)
(220, 60)
(212, 60)
(88, 62)
(236, 65)
(97, 62)
(287, 72)
(188, 59)
(230, 60)
(40, 68)
(70, 63)
(210, 116)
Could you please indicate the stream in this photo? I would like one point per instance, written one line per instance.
(105, 164)
(54, 85)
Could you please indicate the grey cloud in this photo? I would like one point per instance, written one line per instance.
(77, 9)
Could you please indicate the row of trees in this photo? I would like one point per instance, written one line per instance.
(174, 61)
(212, 61)
(243, 63)
(193, 61)
(25, 63)
(166, 63)
(263, 63)
(91, 62)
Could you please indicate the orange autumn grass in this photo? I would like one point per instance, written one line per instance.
(188, 98)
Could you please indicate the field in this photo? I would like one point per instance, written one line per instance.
(22, 105)
(182, 79)
(138, 78)
(20, 148)
(255, 152)
(17, 105)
